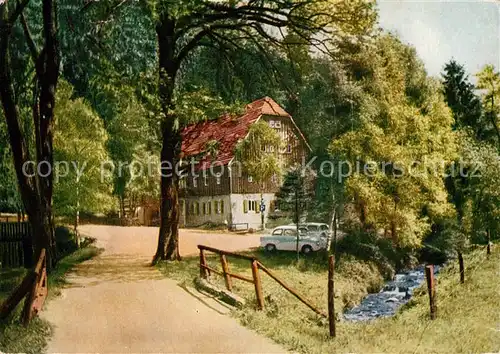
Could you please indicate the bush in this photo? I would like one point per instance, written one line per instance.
(371, 247)
(65, 241)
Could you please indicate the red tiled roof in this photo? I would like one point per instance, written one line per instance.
(227, 130)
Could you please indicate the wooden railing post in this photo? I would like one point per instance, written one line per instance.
(331, 295)
(461, 267)
(488, 246)
(431, 288)
(225, 272)
(258, 285)
(39, 273)
(203, 264)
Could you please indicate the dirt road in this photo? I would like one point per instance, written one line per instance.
(117, 303)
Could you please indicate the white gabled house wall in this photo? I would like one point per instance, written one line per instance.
(241, 213)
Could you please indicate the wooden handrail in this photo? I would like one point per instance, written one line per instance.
(38, 292)
(227, 253)
(232, 275)
(32, 288)
(292, 291)
(41, 262)
(255, 265)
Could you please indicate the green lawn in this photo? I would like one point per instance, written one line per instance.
(468, 315)
(13, 336)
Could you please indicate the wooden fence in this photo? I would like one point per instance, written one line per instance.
(255, 266)
(33, 289)
(15, 244)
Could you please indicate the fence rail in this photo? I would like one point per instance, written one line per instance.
(15, 244)
(255, 266)
(33, 288)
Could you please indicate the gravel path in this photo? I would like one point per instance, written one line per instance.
(116, 303)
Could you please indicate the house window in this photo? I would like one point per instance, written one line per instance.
(197, 208)
(275, 124)
(250, 179)
(204, 208)
(209, 206)
(252, 205)
(222, 207)
(217, 179)
(289, 149)
(195, 182)
(216, 207)
(205, 180)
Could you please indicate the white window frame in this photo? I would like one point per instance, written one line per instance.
(217, 179)
(277, 124)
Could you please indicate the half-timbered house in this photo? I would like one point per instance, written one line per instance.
(216, 189)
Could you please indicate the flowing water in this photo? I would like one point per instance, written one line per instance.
(395, 293)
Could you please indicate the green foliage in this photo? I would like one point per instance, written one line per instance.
(295, 194)
(10, 200)
(403, 121)
(461, 98)
(144, 184)
(258, 152)
(79, 141)
(489, 81)
(482, 206)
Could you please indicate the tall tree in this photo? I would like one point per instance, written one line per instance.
(295, 196)
(403, 130)
(489, 81)
(36, 187)
(79, 150)
(461, 98)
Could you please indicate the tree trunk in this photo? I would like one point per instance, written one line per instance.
(35, 188)
(394, 233)
(168, 238)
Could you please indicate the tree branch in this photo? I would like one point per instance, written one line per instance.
(29, 39)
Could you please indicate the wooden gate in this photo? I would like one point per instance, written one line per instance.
(15, 244)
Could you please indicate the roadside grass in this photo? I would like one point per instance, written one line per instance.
(468, 314)
(14, 337)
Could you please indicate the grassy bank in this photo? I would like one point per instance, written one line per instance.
(467, 314)
(16, 338)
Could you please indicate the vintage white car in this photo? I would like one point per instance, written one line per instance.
(284, 238)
